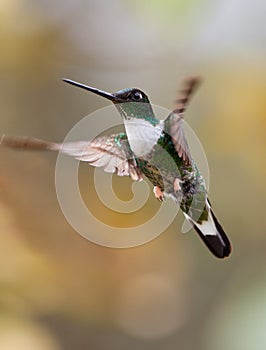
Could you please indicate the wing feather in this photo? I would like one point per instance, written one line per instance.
(173, 123)
(173, 126)
(113, 152)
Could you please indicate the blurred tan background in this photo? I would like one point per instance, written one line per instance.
(59, 291)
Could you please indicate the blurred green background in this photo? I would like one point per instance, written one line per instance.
(59, 291)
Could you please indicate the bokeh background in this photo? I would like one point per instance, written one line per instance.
(59, 291)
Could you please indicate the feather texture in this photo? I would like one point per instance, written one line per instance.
(212, 233)
(112, 152)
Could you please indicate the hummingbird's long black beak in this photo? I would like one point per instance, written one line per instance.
(91, 89)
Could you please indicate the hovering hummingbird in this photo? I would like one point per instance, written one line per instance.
(156, 149)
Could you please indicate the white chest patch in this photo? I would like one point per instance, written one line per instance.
(142, 135)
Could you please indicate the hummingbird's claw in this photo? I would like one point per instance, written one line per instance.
(177, 185)
(158, 193)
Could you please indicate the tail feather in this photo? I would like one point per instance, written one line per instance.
(219, 245)
(213, 235)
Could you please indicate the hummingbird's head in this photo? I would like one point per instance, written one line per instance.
(133, 103)
(130, 95)
(130, 102)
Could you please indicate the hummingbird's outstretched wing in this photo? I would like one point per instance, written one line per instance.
(173, 123)
(189, 86)
(173, 126)
(113, 152)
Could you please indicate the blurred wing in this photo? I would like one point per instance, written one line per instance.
(189, 85)
(174, 127)
(112, 152)
(173, 123)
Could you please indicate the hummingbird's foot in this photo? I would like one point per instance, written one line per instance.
(177, 185)
(158, 193)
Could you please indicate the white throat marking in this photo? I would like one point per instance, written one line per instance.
(142, 135)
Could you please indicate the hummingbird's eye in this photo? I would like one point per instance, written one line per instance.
(137, 96)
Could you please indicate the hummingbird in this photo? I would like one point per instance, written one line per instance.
(152, 148)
